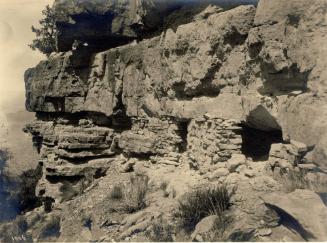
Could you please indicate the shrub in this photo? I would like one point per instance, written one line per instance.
(133, 194)
(45, 40)
(116, 192)
(163, 186)
(200, 203)
(28, 181)
(5, 155)
(18, 193)
(161, 231)
(50, 229)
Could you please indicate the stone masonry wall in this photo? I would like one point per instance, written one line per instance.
(150, 136)
(212, 140)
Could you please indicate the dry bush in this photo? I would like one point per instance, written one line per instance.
(5, 155)
(163, 186)
(161, 231)
(133, 195)
(116, 192)
(50, 229)
(201, 203)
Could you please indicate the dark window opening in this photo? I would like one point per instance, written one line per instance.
(256, 143)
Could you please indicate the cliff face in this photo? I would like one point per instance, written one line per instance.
(135, 86)
(107, 23)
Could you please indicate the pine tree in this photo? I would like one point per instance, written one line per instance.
(45, 40)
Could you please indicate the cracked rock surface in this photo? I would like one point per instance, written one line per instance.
(187, 95)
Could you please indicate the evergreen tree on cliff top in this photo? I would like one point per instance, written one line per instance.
(45, 40)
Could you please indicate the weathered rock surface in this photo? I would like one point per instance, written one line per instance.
(141, 76)
(239, 64)
(167, 90)
(302, 209)
(287, 43)
(108, 23)
(205, 226)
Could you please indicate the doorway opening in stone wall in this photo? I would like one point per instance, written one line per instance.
(256, 143)
(183, 130)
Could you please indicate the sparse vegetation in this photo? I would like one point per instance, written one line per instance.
(116, 192)
(219, 231)
(18, 192)
(15, 231)
(161, 231)
(293, 180)
(51, 228)
(201, 203)
(133, 195)
(45, 40)
(5, 155)
(28, 181)
(163, 186)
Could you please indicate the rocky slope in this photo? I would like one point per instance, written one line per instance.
(189, 95)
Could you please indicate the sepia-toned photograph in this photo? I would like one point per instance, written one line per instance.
(163, 121)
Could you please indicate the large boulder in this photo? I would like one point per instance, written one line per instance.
(302, 210)
(206, 226)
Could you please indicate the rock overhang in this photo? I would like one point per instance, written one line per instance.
(218, 65)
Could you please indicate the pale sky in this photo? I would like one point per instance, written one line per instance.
(16, 18)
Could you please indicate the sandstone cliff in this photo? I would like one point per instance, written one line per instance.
(189, 93)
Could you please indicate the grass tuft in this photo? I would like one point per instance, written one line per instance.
(293, 180)
(201, 203)
(133, 195)
(160, 231)
(116, 192)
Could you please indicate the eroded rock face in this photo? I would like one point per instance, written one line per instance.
(236, 64)
(182, 97)
(286, 52)
(141, 76)
(297, 205)
(107, 23)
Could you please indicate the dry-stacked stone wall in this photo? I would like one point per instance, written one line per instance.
(212, 140)
(151, 136)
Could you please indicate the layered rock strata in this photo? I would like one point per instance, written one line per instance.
(182, 95)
